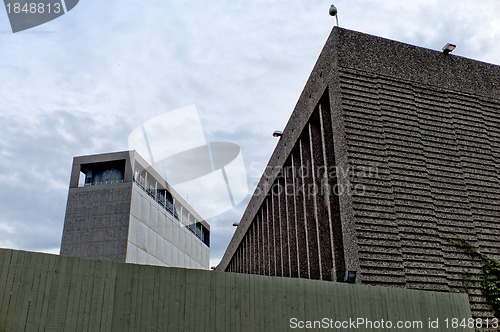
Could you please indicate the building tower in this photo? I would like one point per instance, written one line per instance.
(120, 209)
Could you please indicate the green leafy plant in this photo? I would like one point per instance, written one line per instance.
(490, 284)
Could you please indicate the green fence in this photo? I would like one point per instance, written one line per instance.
(41, 292)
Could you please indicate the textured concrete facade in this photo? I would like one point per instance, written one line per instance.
(97, 222)
(391, 151)
(40, 292)
(125, 212)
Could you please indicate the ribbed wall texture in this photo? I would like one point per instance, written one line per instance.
(391, 151)
(435, 155)
(40, 292)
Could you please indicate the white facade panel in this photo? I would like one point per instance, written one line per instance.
(157, 238)
(175, 234)
(161, 224)
(145, 206)
(153, 217)
(131, 253)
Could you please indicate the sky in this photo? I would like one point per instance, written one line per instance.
(81, 83)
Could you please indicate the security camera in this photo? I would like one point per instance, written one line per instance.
(333, 10)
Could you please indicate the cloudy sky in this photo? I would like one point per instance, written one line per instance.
(81, 83)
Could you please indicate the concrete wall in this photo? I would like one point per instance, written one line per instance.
(40, 292)
(123, 222)
(96, 222)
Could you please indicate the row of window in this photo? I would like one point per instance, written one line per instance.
(165, 199)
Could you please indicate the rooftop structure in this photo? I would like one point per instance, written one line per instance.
(120, 209)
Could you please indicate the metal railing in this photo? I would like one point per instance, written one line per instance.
(100, 183)
(193, 227)
(170, 208)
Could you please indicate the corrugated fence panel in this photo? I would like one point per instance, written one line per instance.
(40, 292)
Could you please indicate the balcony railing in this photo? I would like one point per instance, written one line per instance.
(169, 207)
(100, 183)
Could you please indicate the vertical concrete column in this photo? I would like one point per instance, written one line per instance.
(249, 250)
(320, 176)
(256, 247)
(290, 198)
(306, 173)
(246, 256)
(331, 197)
(251, 242)
(253, 247)
(277, 228)
(235, 263)
(257, 244)
(249, 259)
(300, 215)
(75, 174)
(270, 234)
(262, 270)
(238, 260)
(284, 232)
(265, 223)
(241, 259)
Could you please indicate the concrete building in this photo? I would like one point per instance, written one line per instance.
(391, 151)
(120, 209)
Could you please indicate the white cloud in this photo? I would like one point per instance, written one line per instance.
(4, 227)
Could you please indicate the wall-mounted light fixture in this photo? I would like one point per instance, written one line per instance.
(448, 48)
(350, 276)
(277, 133)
